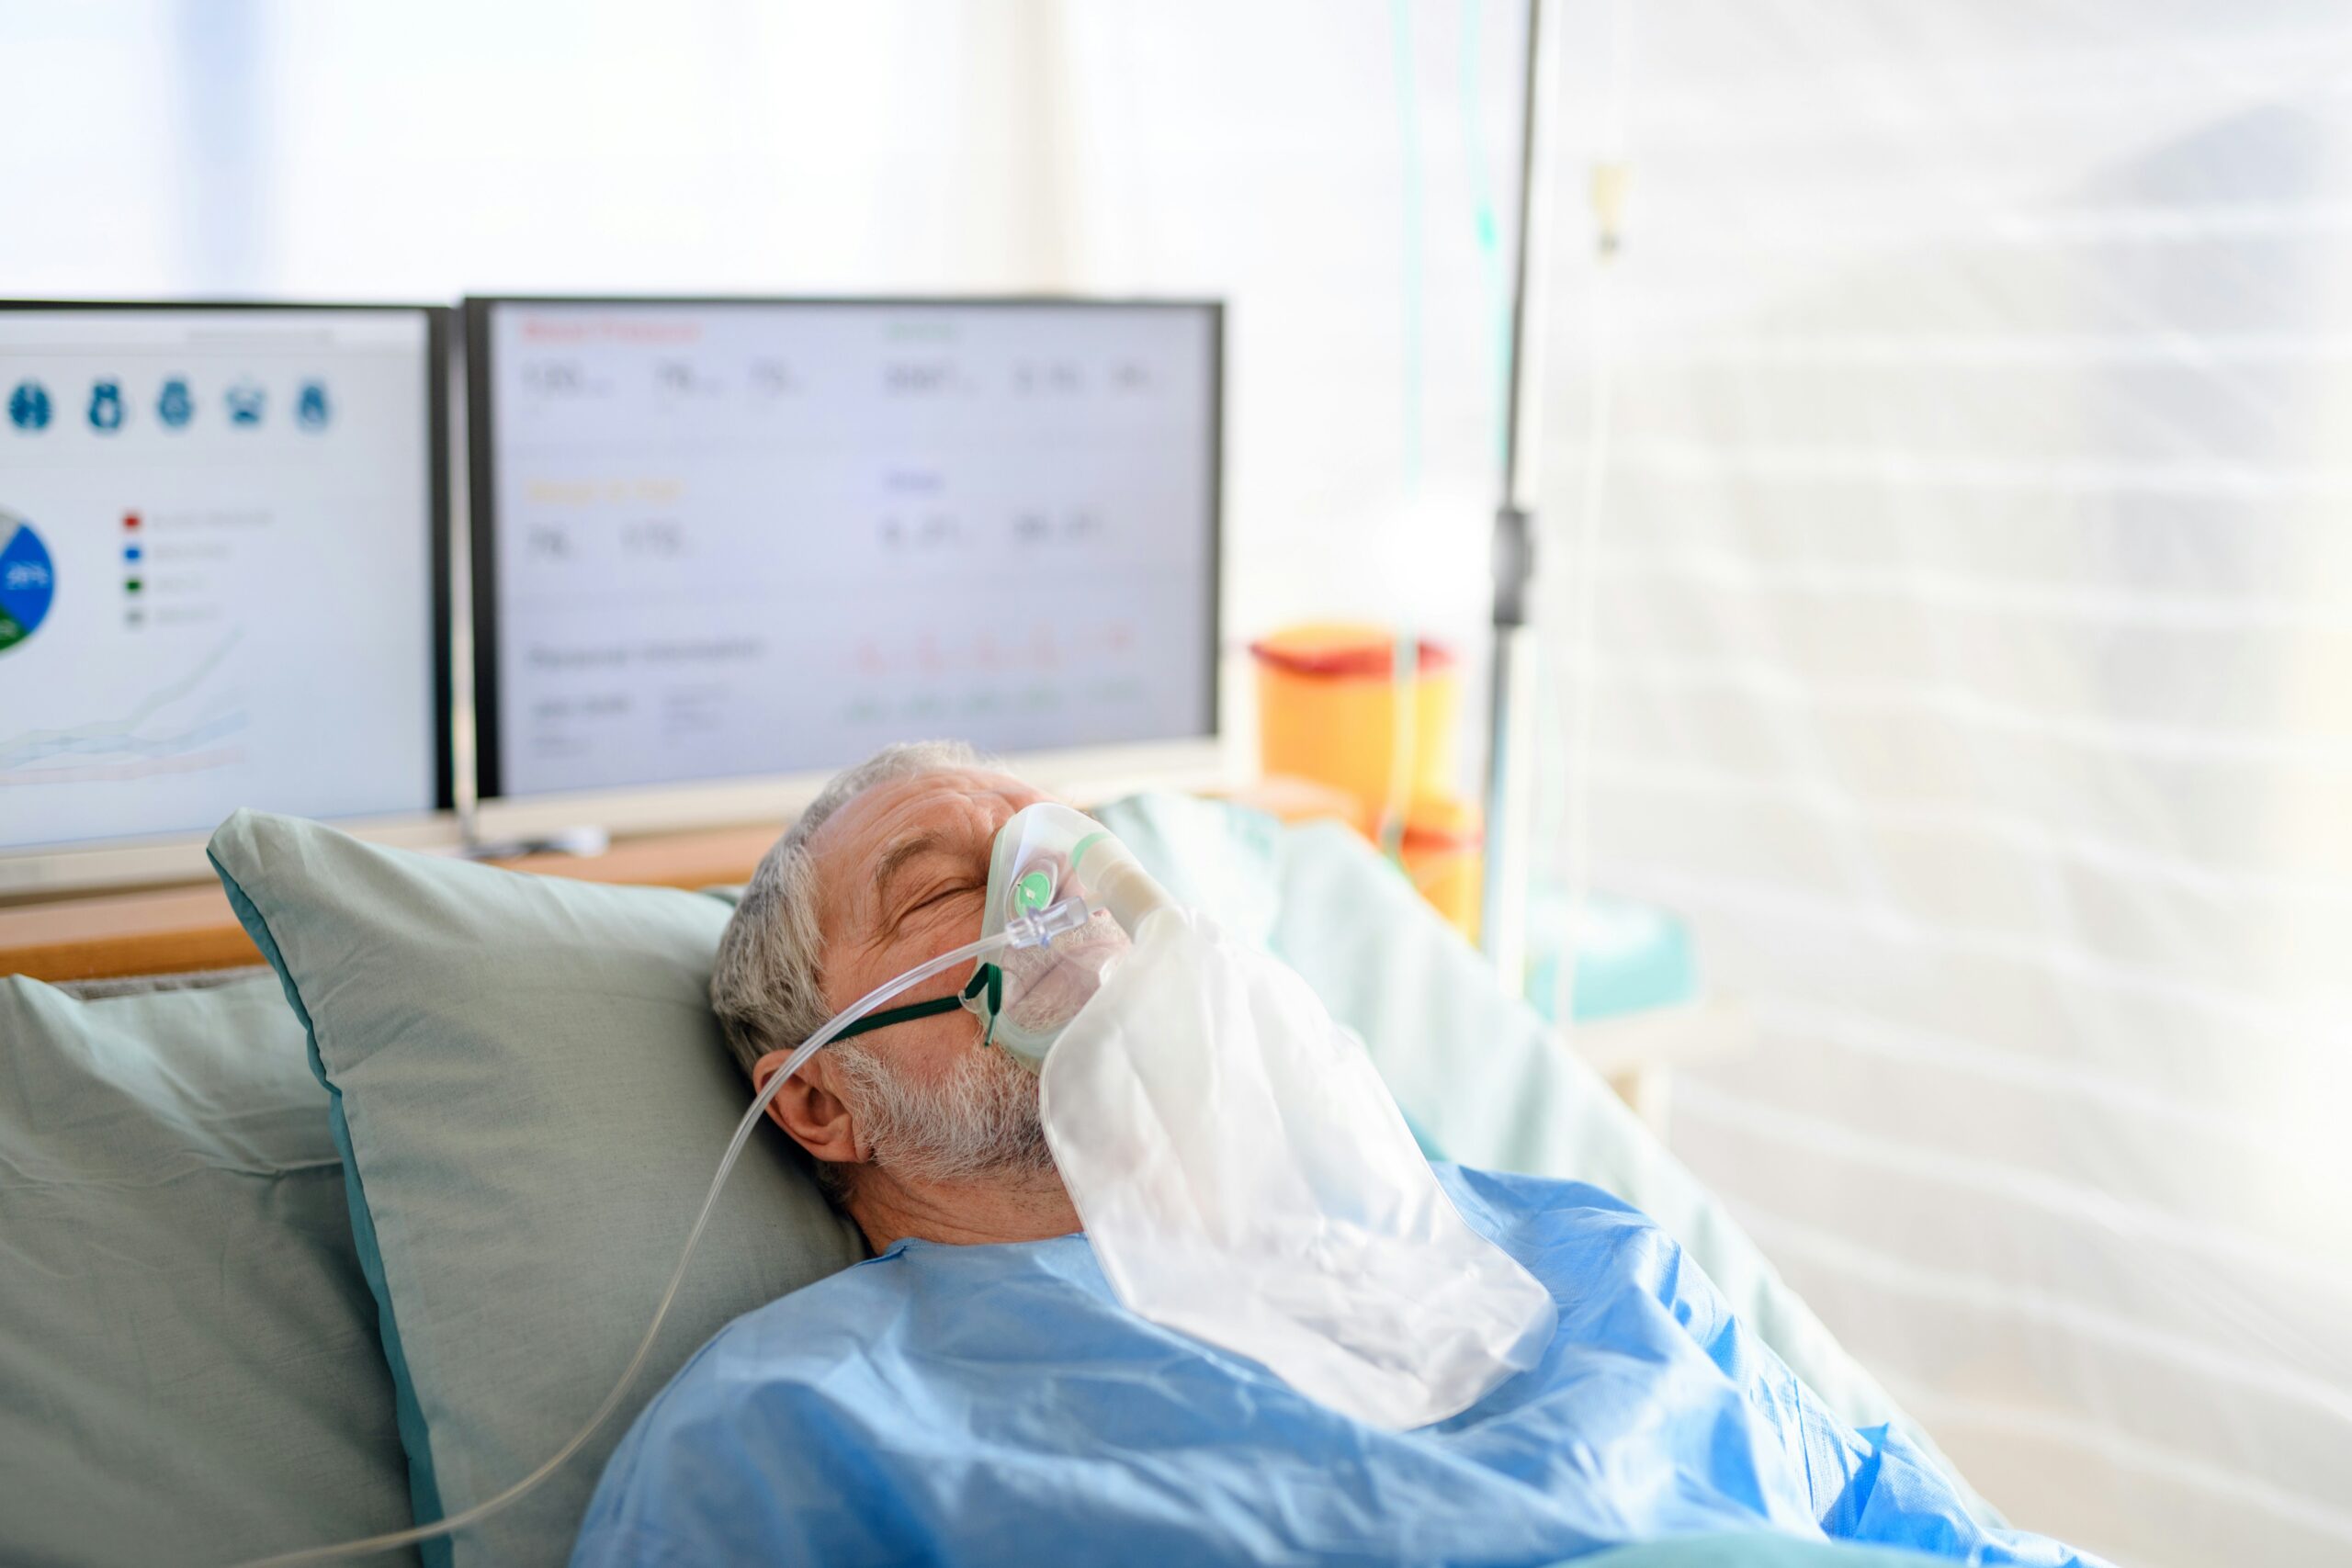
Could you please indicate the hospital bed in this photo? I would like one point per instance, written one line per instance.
(222, 1337)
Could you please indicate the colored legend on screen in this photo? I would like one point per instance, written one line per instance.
(133, 555)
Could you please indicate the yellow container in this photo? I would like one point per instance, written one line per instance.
(1441, 847)
(1329, 702)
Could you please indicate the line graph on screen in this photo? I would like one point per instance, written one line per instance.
(184, 724)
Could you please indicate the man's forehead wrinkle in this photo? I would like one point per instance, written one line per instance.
(920, 823)
(864, 822)
(866, 831)
(898, 855)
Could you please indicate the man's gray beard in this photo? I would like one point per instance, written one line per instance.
(980, 1120)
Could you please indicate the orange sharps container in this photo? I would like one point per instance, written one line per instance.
(1329, 708)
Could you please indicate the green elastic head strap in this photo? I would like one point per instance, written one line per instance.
(987, 977)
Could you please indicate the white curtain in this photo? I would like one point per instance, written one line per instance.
(1971, 661)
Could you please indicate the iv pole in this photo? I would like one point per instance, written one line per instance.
(1503, 920)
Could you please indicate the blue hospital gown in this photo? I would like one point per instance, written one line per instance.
(996, 1405)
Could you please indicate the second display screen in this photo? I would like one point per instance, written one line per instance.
(741, 538)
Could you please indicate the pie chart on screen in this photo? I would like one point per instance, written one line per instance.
(27, 581)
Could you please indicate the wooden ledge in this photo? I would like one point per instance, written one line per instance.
(172, 929)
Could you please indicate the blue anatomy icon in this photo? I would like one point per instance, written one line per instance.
(243, 401)
(174, 406)
(311, 406)
(29, 406)
(106, 406)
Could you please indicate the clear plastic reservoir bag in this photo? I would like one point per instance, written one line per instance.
(1245, 1177)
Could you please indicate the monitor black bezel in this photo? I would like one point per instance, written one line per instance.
(482, 489)
(439, 322)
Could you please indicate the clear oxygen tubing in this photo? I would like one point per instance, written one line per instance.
(1030, 931)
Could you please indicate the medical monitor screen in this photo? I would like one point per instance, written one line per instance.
(729, 539)
(219, 539)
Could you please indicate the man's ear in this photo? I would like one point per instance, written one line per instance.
(811, 1115)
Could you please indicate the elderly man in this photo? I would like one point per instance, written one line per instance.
(974, 1393)
(915, 1132)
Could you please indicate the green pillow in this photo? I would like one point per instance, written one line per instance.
(188, 1368)
(531, 1094)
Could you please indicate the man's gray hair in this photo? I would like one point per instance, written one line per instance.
(767, 985)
